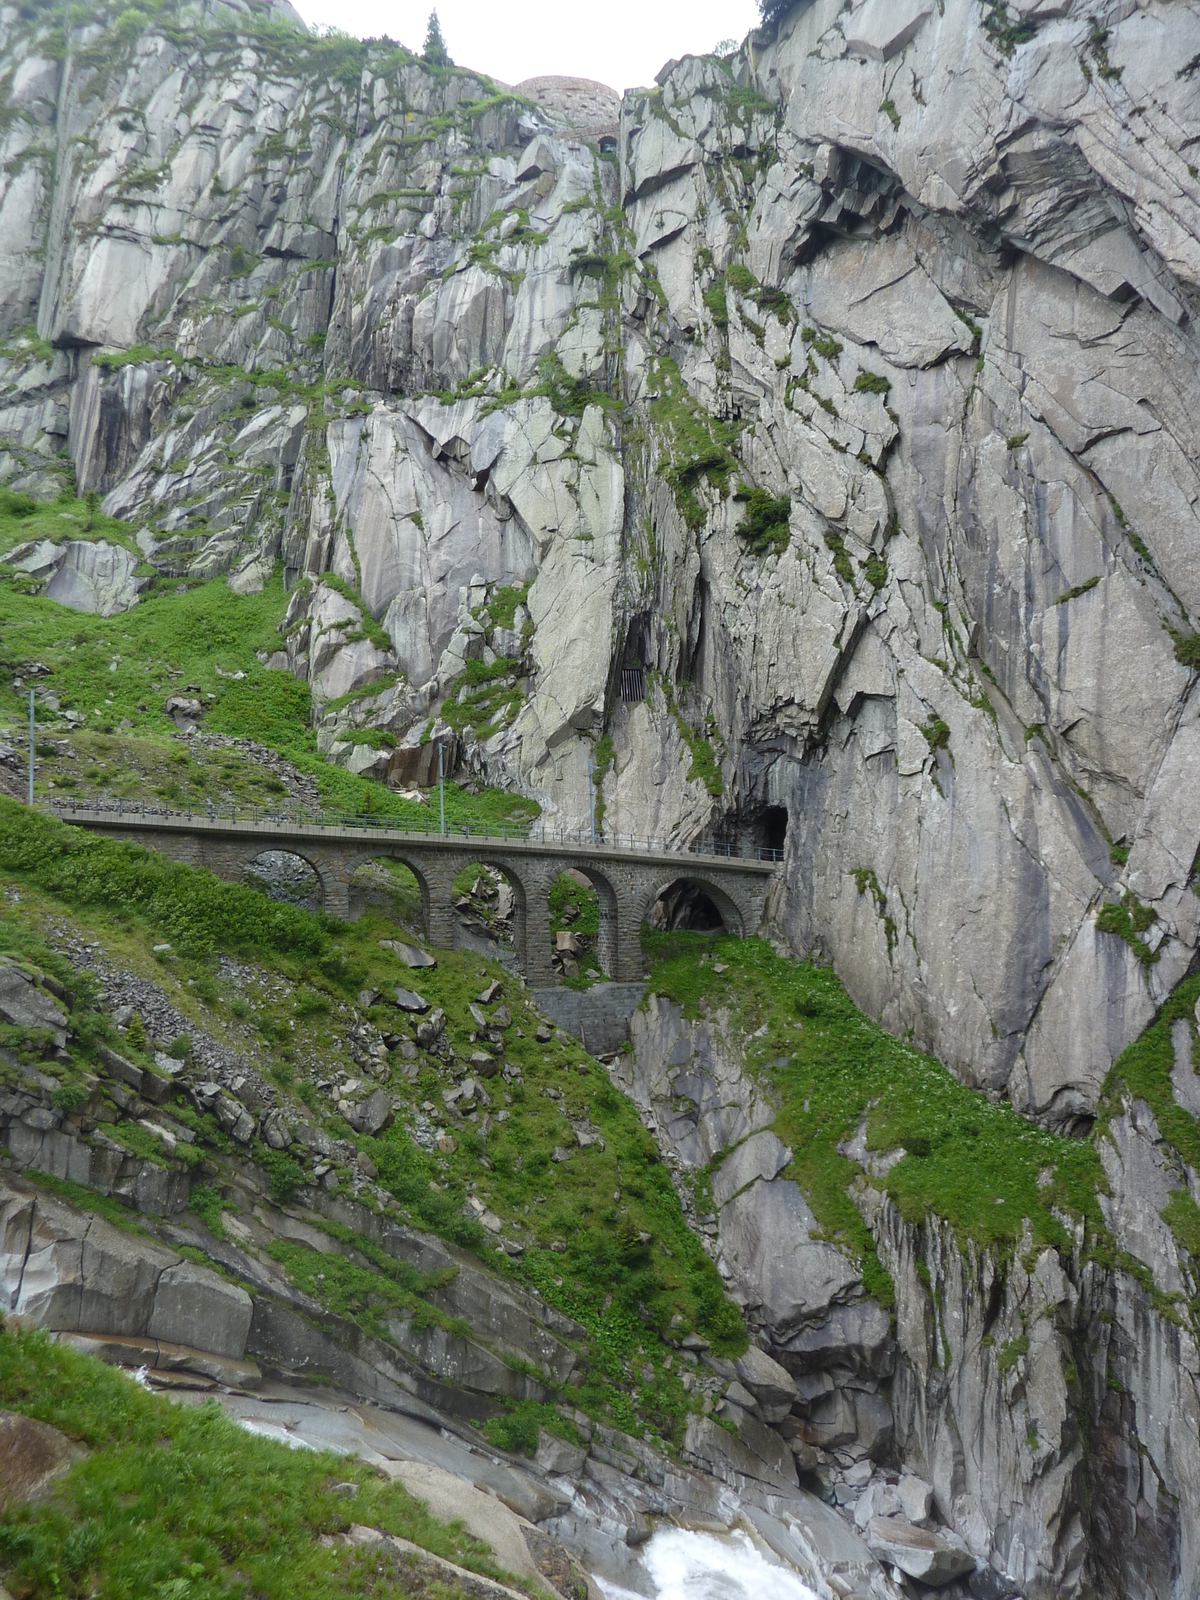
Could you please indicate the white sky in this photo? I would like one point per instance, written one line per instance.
(620, 42)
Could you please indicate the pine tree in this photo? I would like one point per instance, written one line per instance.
(135, 1033)
(435, 51)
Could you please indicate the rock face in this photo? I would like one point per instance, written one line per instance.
(1026, 1397)
(830, 445)
(434, 348)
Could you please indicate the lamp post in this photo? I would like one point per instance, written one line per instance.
(441, 787)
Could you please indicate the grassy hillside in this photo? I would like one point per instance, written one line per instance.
(180, 1503)
(830, 1069)
(597, 1226)
(117, 673)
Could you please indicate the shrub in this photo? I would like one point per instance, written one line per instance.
(1128, 918)
(871, 383)
(716, 302)
(285, 1174)
(765, 524)
(517, 1430)
(69, 1097)
(773, 12)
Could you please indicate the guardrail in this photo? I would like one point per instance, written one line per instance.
(491, 833)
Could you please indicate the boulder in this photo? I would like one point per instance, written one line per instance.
(919, 1553)
(873, 1423)
(197, 1307)
(761, 1156)
(79, 1271)
(557, 1455)
(915, 1497)
(120, 1067)
(832, 1421)
(410, 954)
(730, 1458)
(782, 1262)
(25, 1004)
(432, 1029)
(96, 576)
(771, 1385)
(858, 1335)
(314, 1139)
(879, 1499)
(407, 1000)
(184, 710)
(32, 1454)
(276, 1131)
(374, 1114)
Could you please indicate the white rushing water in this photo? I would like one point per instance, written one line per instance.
(681, 1565)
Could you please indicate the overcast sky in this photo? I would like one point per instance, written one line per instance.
(621, 42)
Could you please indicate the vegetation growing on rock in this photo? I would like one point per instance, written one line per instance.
(996, 1178)
(179, 1500)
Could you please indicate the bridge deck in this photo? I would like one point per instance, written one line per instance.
(256, 822)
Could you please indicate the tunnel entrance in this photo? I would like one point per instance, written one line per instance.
(773, 829)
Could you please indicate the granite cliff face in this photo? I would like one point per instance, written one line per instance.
(846, 391)
(1048, 1396)
(929, 275)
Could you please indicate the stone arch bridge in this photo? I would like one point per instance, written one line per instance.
(628, 878)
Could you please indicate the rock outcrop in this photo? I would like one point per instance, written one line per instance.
(1014, 1386)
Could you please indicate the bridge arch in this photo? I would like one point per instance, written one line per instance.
(606, 952)
(517, 919)
(689, 895)
(406, 858)
(296, 877)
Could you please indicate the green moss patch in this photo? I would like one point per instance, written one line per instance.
(765, 523)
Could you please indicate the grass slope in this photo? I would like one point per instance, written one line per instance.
(118, 673)
(1143, 1072)
(603, 1234)
(974, 1163)
(180, 1503)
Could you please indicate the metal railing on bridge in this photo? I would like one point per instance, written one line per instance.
(488, 833)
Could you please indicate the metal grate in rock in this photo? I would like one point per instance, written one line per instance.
(633, 685)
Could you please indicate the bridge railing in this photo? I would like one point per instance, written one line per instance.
(298, 816)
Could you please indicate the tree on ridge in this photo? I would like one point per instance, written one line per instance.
(435, 51)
